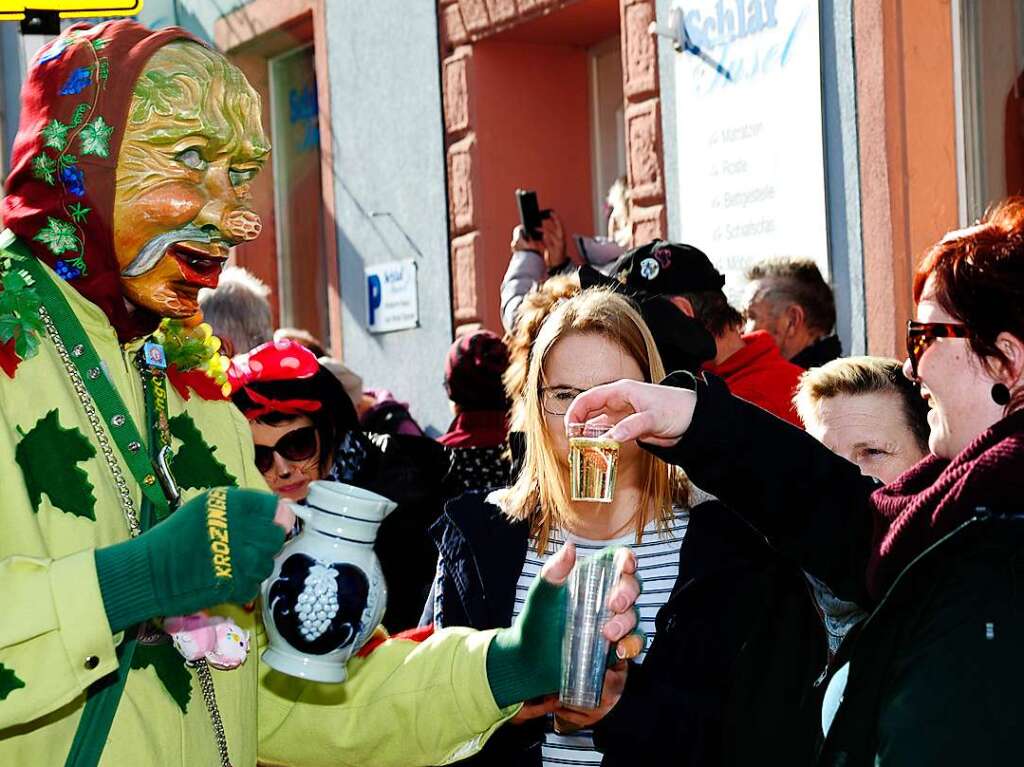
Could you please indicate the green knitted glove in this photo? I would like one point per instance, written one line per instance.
(219, 547)
(524, 661)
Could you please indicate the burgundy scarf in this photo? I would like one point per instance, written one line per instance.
(931, 499)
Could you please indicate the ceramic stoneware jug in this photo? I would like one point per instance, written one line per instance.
(327, 592)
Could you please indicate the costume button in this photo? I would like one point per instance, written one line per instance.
(134, 447)
(94, 373)
(149, 479)
(91, 662)
(117, 420)
(78, 350)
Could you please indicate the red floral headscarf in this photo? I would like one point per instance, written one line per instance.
(60, 193)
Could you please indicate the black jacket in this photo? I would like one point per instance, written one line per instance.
(817, 354)
(412, 472)
(738, 646)
(935, 676)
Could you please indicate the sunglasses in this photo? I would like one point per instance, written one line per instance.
(921, 335)
(298, 445)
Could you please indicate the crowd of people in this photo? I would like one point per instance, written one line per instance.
(745, 627)
(819, 553)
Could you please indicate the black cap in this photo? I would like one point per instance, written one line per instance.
(682, 342)
(669, 269)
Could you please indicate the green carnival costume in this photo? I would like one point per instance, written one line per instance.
(130, 181)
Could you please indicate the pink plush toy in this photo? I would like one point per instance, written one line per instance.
(231, 647)
(217, 639)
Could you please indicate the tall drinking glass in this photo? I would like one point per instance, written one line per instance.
(584, 646)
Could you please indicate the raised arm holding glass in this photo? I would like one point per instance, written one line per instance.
(934, 675)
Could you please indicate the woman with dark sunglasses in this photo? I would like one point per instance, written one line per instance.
(933, 676)
(305, 428)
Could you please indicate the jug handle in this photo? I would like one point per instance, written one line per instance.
(302, 512)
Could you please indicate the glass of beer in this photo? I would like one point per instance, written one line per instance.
(592, 462)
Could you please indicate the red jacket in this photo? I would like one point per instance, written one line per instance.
(760, 374)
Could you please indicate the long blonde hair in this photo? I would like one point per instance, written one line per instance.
(540, 494)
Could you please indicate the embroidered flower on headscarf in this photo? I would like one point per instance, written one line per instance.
(79, 80)
(56, 50)
(74, 180)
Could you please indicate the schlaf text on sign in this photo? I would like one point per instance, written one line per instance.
(391, 299)
(749, 133)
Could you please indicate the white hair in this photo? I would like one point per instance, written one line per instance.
(238, 309)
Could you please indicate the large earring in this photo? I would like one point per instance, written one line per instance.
(1000, 394)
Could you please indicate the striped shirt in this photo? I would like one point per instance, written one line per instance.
(658, 568)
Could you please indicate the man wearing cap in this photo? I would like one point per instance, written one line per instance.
(750, 364)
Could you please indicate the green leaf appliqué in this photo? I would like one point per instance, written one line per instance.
(78, 213)
(43, 168)
(170, 670)
(95, 138)
(194, 465)
(9, 682)
(55, 134)
(19, 312)
(48, 456)
(58, 236)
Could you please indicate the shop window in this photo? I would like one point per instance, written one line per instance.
(990, 60)
(607, 123)
(298, 202)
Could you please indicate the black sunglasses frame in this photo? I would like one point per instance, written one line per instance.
(265, 453)
(921, 335)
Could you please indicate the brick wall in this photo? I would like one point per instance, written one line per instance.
(465, 22)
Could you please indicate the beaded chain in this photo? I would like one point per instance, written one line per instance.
(202, 668)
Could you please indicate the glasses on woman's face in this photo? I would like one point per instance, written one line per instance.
(921, 335)
(297, 445)
(556, 399)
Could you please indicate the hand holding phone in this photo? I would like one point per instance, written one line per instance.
(530, 214)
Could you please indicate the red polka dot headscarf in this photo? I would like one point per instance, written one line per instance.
(274, 361)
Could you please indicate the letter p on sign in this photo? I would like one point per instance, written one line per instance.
(373, 296)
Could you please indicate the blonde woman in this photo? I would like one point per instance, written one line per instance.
(491, 547)
(734, 640)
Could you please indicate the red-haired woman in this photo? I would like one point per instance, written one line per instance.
(934, 675)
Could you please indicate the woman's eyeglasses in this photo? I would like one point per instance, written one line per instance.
(298, 445)
(556, 399)
(921, 335)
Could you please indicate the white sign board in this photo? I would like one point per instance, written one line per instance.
(749, 133)
(391, 299)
